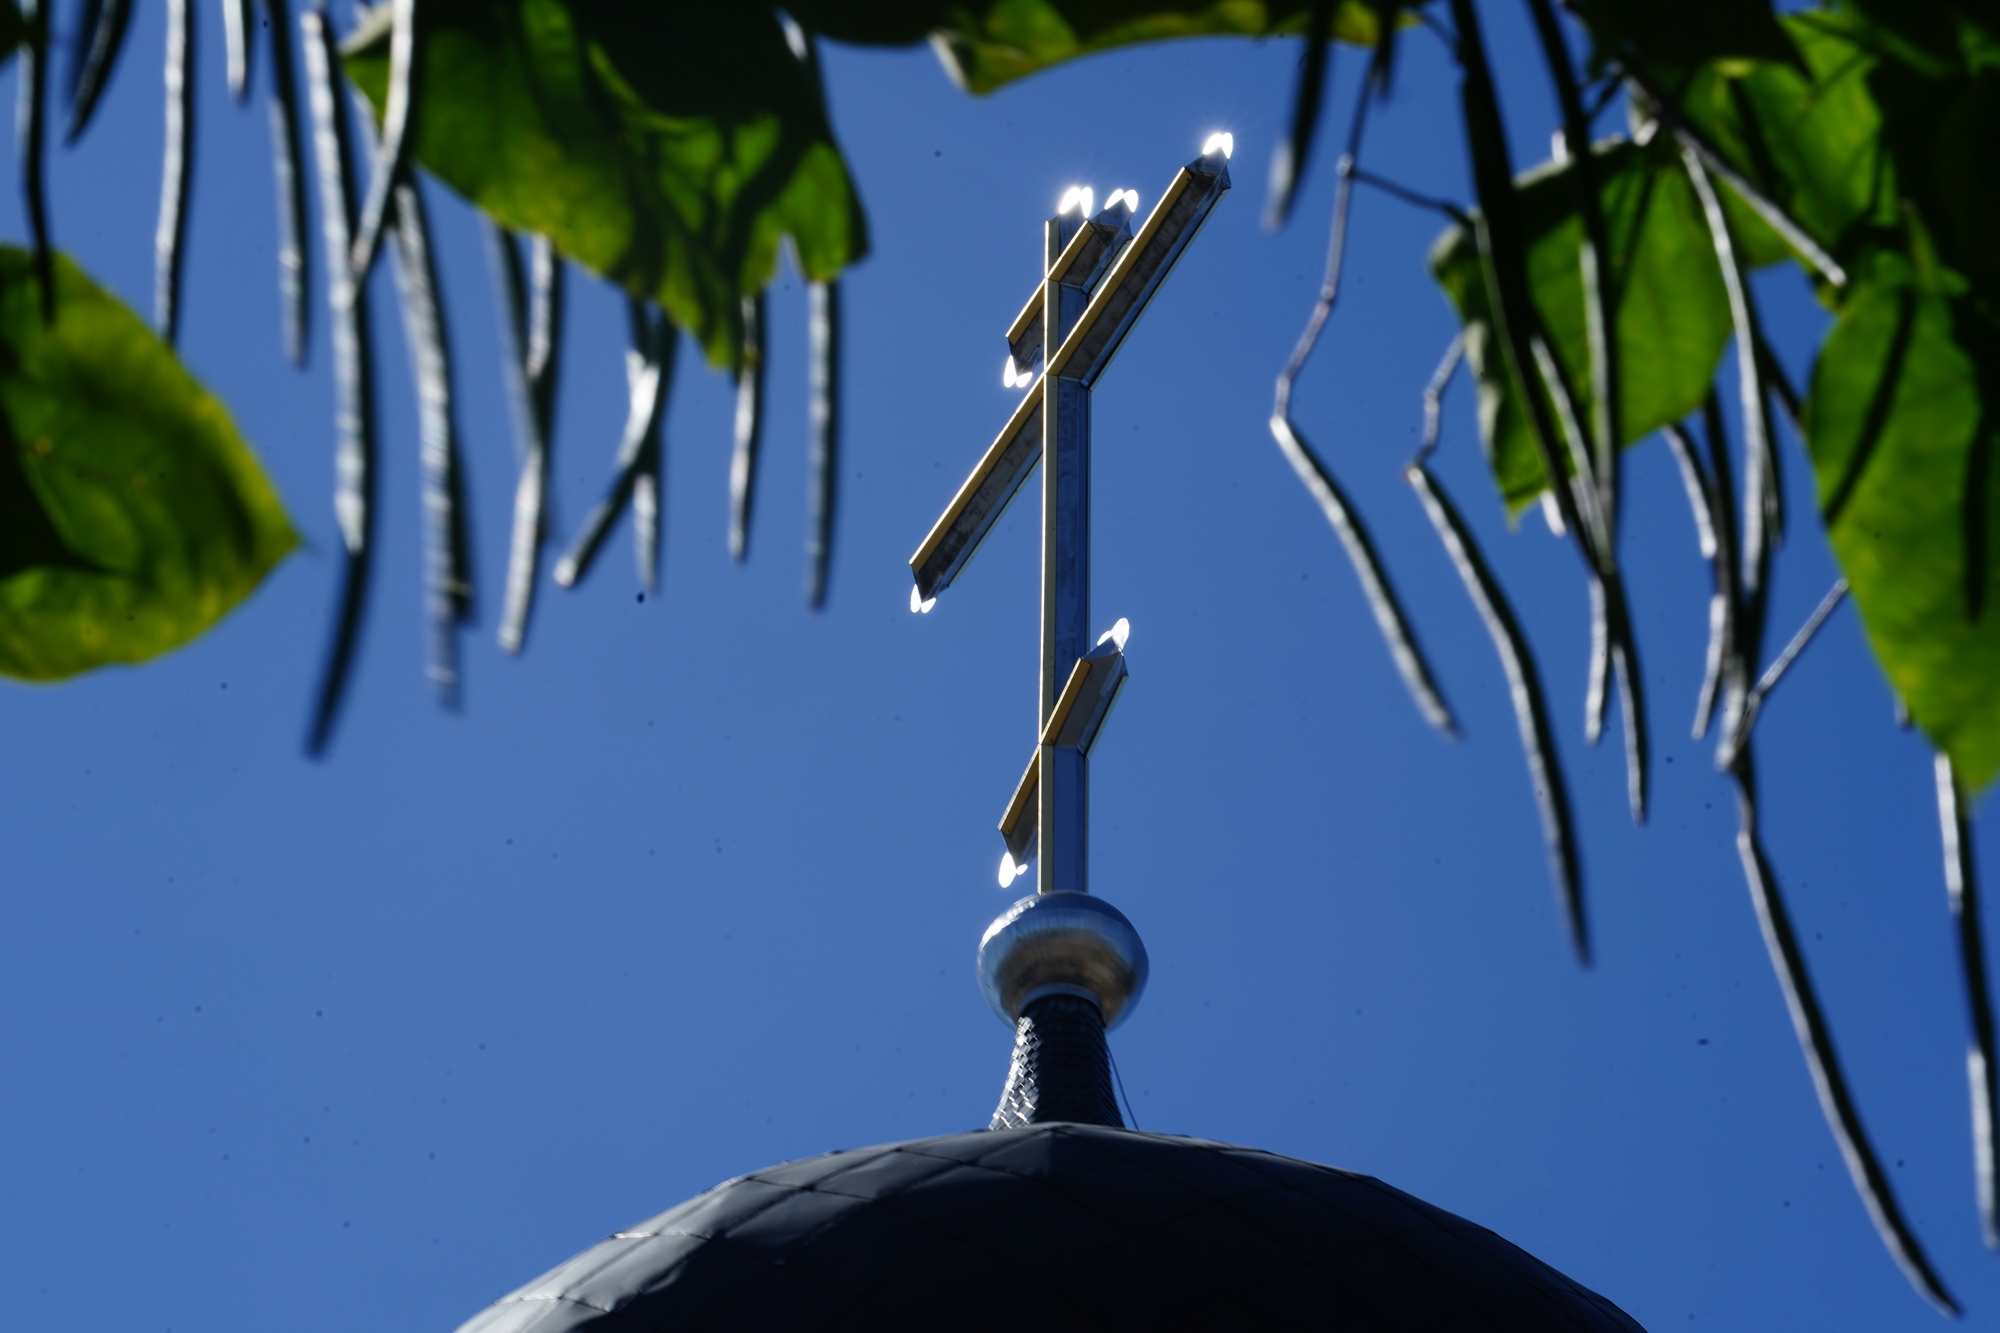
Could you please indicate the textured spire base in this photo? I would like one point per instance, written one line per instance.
(1061, 1068)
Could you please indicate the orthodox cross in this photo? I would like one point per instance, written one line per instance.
(1098, 276)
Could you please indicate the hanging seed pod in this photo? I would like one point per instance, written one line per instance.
(31, 120)
(532, 333)
(353, 376)
(749, 429)
(289, 177)
(176, 170)
(823, 436)
(447, 576)
(101, 36)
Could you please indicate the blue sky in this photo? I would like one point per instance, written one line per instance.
(695, 885)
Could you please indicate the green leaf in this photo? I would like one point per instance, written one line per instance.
(1943, 135)
(670, 149)
(1689, 33)
(1672, 319)
(1810, 144)
(134, 515)
(1884, 156)
(1932, 37)
(1903, 421)
(873, 22)
(986, 46)
(13, 29)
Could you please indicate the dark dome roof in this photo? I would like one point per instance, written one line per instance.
(1053, 1226)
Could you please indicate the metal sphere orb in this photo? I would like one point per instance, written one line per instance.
(1062, 944)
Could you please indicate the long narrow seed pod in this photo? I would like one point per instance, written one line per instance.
(545, 325)
(1414, 198)
(1776, 671)
(1816, 1041)
(104, 31)
(1732, 742)
(1982, 1061)
(1736, 756)
(237, 28)
(531, 487)
(1503, 251)
(1600, 297)
(286, 173)
(823, 435)
(392, 154)
(1318, 478)
(749, 429)
(1632, 711)
(1713, 534)
(1766, 208)
(88, 15)
(1289, 157)
(532, 334)
(648, 476)
(1582, 471)
(1447, 366)
(1652, 99)
(355, 480)
(32, 120)
(1524, 689)
(1760, 472)
(644, 398)
(176, 171)
(1583, 485)
(1747, 610)
(1383, 602)
(1700, 495)
(447, 577)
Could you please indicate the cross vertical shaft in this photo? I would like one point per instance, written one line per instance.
(1063, 802)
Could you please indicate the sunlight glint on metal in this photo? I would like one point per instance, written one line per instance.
(1098, 277)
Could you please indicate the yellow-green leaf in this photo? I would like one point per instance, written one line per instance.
(985, 46)
(1903, 421)
(1811, 142)
(135, 515)
(1672, 319)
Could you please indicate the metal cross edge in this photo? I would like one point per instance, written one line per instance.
(1122, 271)
(1008, 462)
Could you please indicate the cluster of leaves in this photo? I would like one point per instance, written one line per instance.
(673, 154)
(1864, 127)
(1599, 294)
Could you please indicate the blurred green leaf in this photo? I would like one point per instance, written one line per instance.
(134, 515)
(1902, 420)
(1810, 142)
(13, 29)
(873, 22)
(1943, 134)
(1672, 318)
(670, 149)
(1936, 37)
(1885, 157)
(986, 46)
(1689, 33)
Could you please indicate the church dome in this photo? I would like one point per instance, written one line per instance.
(1054, 1226)
(1056, 1216)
